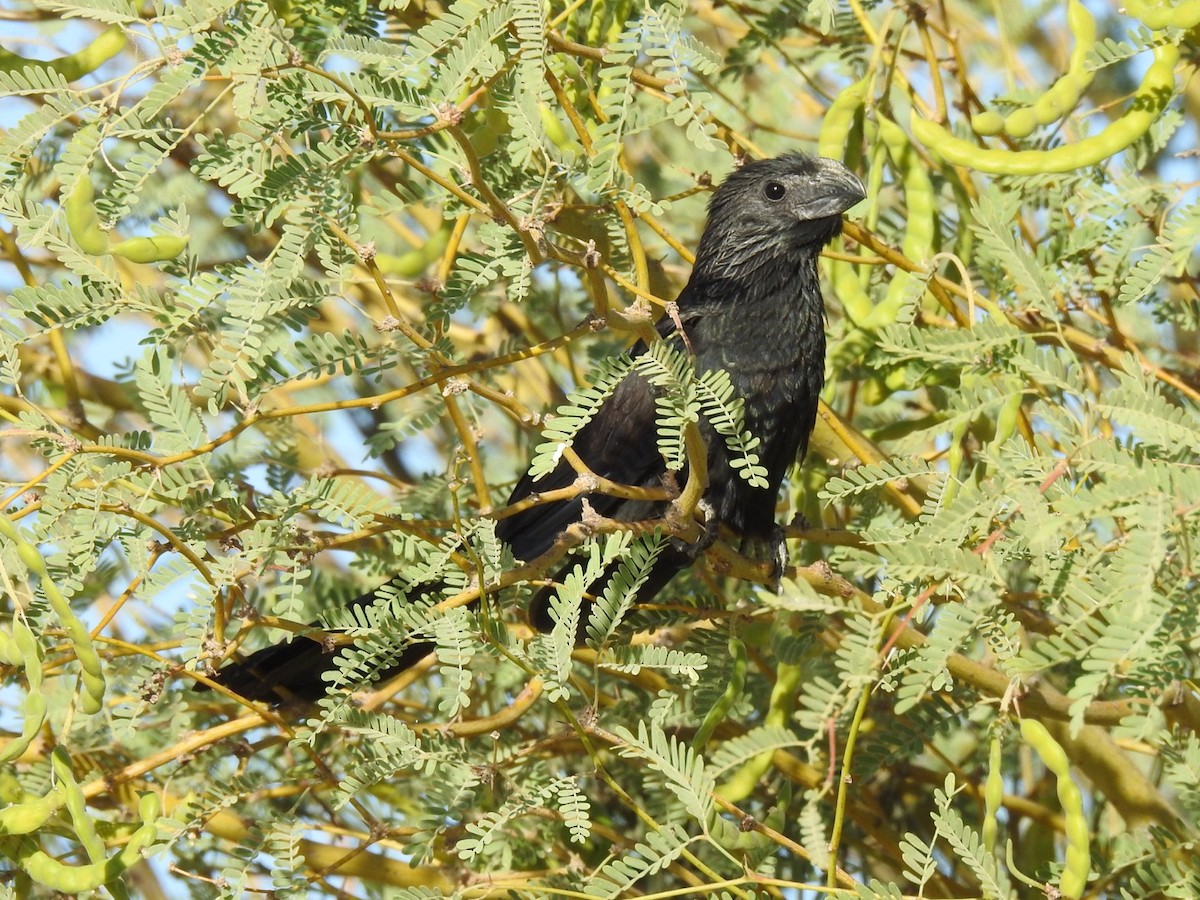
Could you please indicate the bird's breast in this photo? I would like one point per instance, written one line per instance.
(769, 336)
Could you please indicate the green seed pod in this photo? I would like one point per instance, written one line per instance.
(490, 127)
(150, 249)
(839, 119)
(1060, 96)
(988, 122)
(10, 653)
(993, 793)
(85, 828)
(59, 876)
(622, 11)
(1006, 421)
(414, 262)
(896, 380)
(30, 815)
(48, 871)
(1077, 860)
(733, 690)
(779, 713)
(1157, 86)
(849, 290)
(1020, 123)
(28, 655)
(836, 126)
(80, 208)
(1157, 16)
(89, 661)
(559, 136)
(954, 461)
(921, 221)
(107, 44)
(874, 391)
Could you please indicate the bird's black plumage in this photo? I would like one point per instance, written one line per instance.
(751, 307)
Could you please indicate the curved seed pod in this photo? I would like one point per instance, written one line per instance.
(733, 690)
(1077, 861)
(987, 123)
(23, 649)
(80, 208)
(414, 262)
(596, 22)
(149, 249)
(89, 661)
(831, 143)
(1157, 86)
(779, 712)
(1006, 421)
(993, 793)
(559, 136)
(30, 815)
(1061, 96)
(85, 828)
(1156, 16)
(79, 205)
(954, 460)
(106, 45)
(839, 119)
(69, 879)
(921, 221)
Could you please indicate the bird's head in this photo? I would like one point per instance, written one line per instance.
(777, 207)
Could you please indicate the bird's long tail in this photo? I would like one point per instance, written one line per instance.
(293, 671)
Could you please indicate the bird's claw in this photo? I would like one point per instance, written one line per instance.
(771, 549)
(779, 556)
(693, 550)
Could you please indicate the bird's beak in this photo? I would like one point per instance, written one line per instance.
(839, 190)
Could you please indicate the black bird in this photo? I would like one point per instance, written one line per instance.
(751, 307)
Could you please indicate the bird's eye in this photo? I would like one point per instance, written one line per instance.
(774, 190)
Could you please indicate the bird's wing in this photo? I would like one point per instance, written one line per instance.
(619, 443)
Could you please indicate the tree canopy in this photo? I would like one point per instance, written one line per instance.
(294, 290)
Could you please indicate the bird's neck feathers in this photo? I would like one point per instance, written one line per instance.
(763, 261)
(741, 283)
(777, 305)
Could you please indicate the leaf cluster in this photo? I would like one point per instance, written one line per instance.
(418, 240)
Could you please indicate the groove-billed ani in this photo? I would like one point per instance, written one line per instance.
(751, 307)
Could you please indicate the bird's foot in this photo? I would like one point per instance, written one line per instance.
(779, 558)
(771, 549)
(693, 550)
